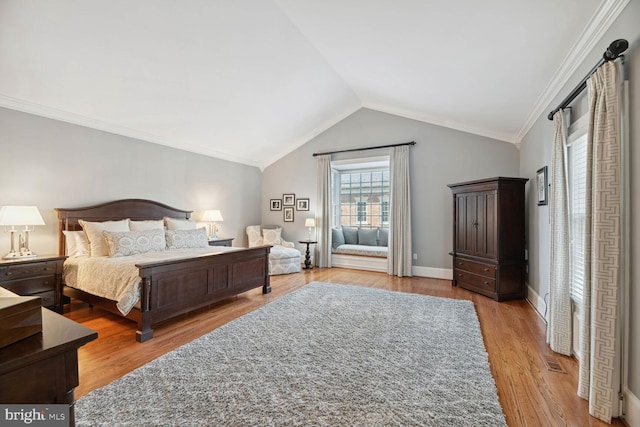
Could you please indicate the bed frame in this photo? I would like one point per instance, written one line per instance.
(172, 287)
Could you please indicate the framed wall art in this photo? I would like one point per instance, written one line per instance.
(288, 214)
(288, 200)
(302, 204)
(275, 204)
(542, 182)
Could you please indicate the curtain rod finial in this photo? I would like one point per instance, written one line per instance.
(615, 49)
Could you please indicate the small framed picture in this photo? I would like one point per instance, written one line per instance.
(288, 214)
(542, 186)
(275, 204)
(302, 204)
(288, 200)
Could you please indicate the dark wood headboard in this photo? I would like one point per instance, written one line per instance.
(134, 209)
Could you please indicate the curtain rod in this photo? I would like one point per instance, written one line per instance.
(614, 51)
(367, 148)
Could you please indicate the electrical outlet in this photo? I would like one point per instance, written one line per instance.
(415, 256)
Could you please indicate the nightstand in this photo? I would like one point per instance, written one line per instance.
(220, 242)
(39, 277)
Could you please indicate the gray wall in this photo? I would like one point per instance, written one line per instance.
(54, 164)
(536, 152)
(441, 156)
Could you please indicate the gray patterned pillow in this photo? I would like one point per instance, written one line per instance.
(134, 242)
(181, 239)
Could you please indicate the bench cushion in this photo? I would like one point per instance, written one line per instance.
(362, 250)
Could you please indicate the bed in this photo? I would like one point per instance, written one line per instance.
(169, 287)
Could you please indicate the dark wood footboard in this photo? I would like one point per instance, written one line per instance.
(170, 288)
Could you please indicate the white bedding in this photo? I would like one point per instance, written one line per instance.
(116, 278)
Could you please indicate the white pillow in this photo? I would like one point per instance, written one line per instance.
(271, 236)
(134, 242)
(181, 239)
(179, 224)
(146, 225)
(255, 238)
(93, 230)
(76, 243)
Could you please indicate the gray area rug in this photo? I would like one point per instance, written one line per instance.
(326, 355)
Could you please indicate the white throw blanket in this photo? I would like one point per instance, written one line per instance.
(117, 278)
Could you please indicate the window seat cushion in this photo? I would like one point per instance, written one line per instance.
(362, 250)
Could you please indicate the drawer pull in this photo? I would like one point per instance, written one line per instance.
(460, 274)
(8, 273)
(486, 283)
(486, 269)
(45, 269)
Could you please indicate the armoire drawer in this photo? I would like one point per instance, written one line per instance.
(488, 270)
(477, 282)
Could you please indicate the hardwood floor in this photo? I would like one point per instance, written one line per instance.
(514, 336)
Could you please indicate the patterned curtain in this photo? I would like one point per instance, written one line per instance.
(602, 249)
(323, 214)
(559, 325)
(399, 258)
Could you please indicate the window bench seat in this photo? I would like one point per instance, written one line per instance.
(360, 257)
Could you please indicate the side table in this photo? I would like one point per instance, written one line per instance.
(220, 242)
(307, 258)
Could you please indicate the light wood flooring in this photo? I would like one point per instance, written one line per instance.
(514, 336)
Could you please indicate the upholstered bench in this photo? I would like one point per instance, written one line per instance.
(283, 258)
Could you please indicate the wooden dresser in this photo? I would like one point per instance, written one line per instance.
(489, 237)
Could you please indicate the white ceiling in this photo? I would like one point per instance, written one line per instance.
(251, 80)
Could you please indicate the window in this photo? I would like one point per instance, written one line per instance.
(361, 193)
(577, 164)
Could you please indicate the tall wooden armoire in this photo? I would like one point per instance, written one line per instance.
(488, 237)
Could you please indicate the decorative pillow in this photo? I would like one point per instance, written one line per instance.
(93, 230)
(255, 238)
(179, 224)
(181, 239)
(271, 236)
(350, 235)
(337, 237)
(368, 237)
(157, 224)
(384, 237)
(134, 242)
(76, 243)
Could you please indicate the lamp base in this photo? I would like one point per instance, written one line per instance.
(19, 255)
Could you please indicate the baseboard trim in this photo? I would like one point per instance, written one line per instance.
(538, 303)
(632, 408)
(435, 273)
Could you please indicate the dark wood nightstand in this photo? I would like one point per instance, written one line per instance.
(39, 277)
(220, 242)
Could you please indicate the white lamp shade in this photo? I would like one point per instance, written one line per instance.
(212, 215)
(20, 215)
(310, 222)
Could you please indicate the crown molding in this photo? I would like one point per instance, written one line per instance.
(439, 121)
(600, 22)
(89, 122)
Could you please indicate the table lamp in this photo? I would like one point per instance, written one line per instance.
(20, 215)
(212, 216)
(310, 223)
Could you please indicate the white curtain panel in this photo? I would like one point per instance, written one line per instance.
(323, 214)
(399, 258)
(602, 249)
(559, 332)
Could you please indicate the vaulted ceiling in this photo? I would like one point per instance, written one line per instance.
(251, 80)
